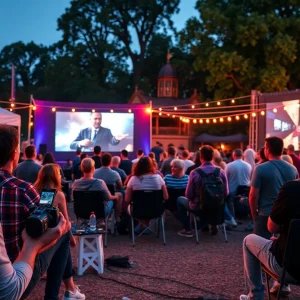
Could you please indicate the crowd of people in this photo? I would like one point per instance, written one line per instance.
(262, 185)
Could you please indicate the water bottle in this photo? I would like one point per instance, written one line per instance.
(93, 222)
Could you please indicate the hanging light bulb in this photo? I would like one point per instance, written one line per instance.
(221, 120)
(201, 121)
(232, 101)
(194, 121)
(214, 120)
(160, 113)
(160, 109)
(53, 109)
(237, 118)
(73, 109)
(229, 119)
(12, 105)
(207, 121)
(175, 108)
(262, 113)
(275, 110)
(34, 108)
(129, 110)
(218, 103)
(253, 114)
(245, 116)
(173, 116)
(193, 106)
(206, 104)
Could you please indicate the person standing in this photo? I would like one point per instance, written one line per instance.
(125, 164)
(97, 157)
(267, 179)
(295, 158)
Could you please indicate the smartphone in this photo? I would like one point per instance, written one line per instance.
(47, 197)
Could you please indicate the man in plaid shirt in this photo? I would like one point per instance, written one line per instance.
(18, 199)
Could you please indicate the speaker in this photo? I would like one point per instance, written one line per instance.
(43, 149)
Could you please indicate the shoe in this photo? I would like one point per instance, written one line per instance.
(138, 229)
(185, 233)
(249, 227)
(76, 295)
(245, 297)
(231, 222)
(275, 288)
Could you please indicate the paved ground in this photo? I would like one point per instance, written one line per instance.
(180, 270)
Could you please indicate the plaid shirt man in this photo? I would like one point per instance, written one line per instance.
(18, 199)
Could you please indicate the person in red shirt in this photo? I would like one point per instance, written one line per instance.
(295, 158)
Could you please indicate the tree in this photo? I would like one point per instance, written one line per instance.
(108, 29)
(245, 45)
(30, 61)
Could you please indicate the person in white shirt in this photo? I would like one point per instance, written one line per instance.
(139, 154)
(186, 160)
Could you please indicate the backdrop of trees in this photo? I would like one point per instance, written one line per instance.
(109, 46)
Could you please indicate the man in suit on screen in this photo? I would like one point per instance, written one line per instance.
(95, 135)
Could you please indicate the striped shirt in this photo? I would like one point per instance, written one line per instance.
(18, 199)
(176, 183)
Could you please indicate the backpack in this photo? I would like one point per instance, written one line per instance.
(211, 190)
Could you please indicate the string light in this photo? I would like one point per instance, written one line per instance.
(188, 120)
(12, 105)
(180, 118)
(214, 120)
(148, 110)
(232, 101)
(160, 113)
(246, 116)
(275, 110)
(206, 104)
(218, 103)
(10, 109)
(73, 109)
(173, 116)
(129, 110)
(262, 113)
(193, 106)
(34, 108)
(175, 108)
(31, 124)
(237, 117)
(93, 110)
(253, 114)
(221, 120)
(168, 115)
(53, 109)
(194, 121)
(229, 119)
(207, 121)
(160, 109)
(201, 121)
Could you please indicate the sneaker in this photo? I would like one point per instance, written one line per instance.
(275, 288)
(231, 222)
(75, 295)
(245, 297)
(249, 227)
(185, 233)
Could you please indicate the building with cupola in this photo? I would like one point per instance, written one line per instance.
(168, 129)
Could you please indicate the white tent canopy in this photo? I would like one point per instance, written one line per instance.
(9, 118)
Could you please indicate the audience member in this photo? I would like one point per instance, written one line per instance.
(288, 159)
(88, 183)
(261, 156)
(163, 156)
(157, 150)
(18, 200)
(197, 163)
(14, 278)
(49, 177)
(77, 160)
(192, 200)
(39, 158)
(295, 158)
(258, 250)
(144, 178)
(115, 163)
(185, 156)
(97, 157)
(112, 178)
(267, 179)
(166, 165)
(249, 157)
(125, 164)
(139, 154)
(238, 173)
(177, 179)
(218, 160)
(28, 169)
(76, 171)
(180, 150)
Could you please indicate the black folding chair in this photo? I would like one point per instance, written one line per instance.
(171, 204)
(291, 259)
(146, 205)
(210, 217)
(111, 188)
(87, 201)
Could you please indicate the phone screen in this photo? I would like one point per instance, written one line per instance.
(47, 197)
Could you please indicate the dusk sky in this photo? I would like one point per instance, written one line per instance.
(36, 20)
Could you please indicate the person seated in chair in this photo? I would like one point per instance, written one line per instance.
(177, 179)
(144, 178)
(88, 183)
(192, 200)
(258, 250)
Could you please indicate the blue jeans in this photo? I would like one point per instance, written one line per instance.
(227, 214)
(256, 251)
(108, 206)
(183, 208)
(54, 262)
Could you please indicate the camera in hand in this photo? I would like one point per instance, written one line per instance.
(45, 216)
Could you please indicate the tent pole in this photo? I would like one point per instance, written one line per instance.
(29, 119)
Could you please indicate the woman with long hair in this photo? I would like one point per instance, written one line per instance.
(49, 178)
(144, 178)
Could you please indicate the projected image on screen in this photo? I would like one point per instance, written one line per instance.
(111, 131)
(284, 122)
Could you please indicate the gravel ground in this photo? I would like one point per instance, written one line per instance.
(180, 270)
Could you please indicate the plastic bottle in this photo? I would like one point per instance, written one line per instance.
(93, 222)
